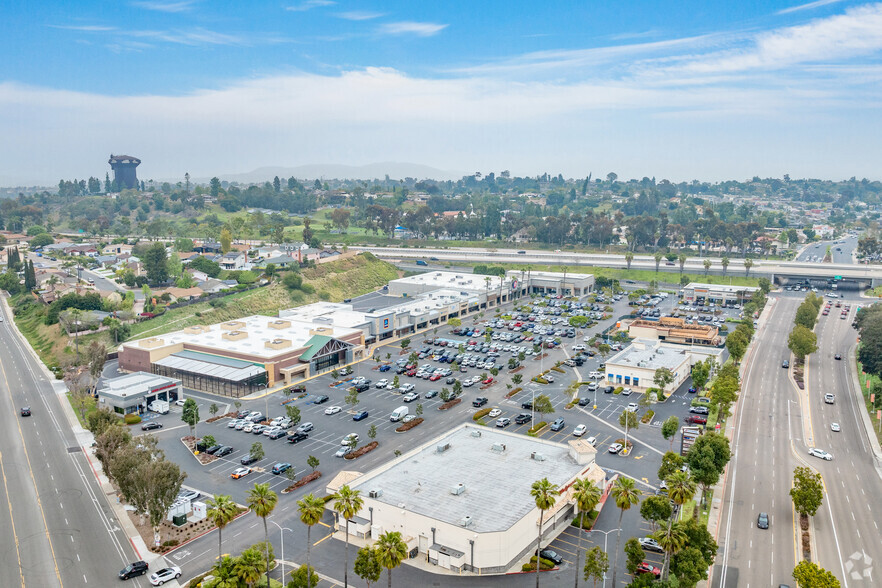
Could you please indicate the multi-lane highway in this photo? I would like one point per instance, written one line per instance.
(775, 425)
(841, 253)
(57, 528)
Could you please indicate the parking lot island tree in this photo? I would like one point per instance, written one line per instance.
(587, 495)
(163, 479)
(262, 501)
(213, 409)
(596, 565)
(190, 415)
(545, 495)
(625, 494)
(209, 441)
(351, 398)
(312, 461)
(347, 503)
(311, 510)
(669, 429)
(542, 405)
(629, 421)
(366, 565)
(390, 550)
(257, 452)
(293, 413)
(221, 511)
(634, 556)
(372, 431)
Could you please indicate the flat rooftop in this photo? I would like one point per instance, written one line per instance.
(452, 281)
(650, 354)
(497, 483)
(134, 383)
(721, 287)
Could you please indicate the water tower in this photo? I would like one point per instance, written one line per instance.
(124, 170)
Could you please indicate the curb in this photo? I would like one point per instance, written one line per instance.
(864, 414)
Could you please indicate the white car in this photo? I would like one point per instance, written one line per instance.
(410, 397)
(829, 398)
(835, 427)
(333, 410)
(343, 451)
(627, 392)
(164, 575)
(615, 447)
(382, 383)
(592, 441)
(579, 430)
(467, 382)
(180, 402)
(578, 348)
(632, 407)
(232, 424)
(494, 413)
(820, 453)
(270, 430)
(349, 438)
(586, 339)
(595, 375)
(247, 427)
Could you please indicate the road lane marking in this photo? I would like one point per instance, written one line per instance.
(12, 521)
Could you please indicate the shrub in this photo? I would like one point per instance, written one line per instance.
(304, 481)
(409, 425)
(446, 405)
(648, 416)
(537, 427)
(540, 380)
(661, 396)
(481, 414)
(367, 448)
(132, 419)
(618, 390)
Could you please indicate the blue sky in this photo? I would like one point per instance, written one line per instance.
(678, 90)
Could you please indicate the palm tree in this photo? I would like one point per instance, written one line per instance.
(545, 494)
(629, 257)
(347, 503)
(672, 539)
(748, 263)
(626, 495)
(681, 488)
(658, 257)
(682, 259)
(221, 511)
(391, 551)
(563, 284)
(587, 495)
(249, 566)
(725, 263)
(311, 510)
(224, 572)
(262, 501)
(707, 266)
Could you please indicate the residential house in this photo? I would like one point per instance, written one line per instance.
(282, 261)
(208, 247)
(308, 254)
(524, 235)
(234, 260)
(280, 249)
(106, 260)
(117, 249)
(213, 285)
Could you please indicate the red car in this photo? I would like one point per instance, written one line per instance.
(488, 381)
(435, 377)
(696, 420)
(410, 373)
(645, 568)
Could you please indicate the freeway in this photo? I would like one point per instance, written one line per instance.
(847, 533)
(57, 528)
(840, 252)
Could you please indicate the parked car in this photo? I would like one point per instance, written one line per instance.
(359, 416)
(503, 422)
(224, 450)
(410, 397)
(615, 447)
(558, 424)
(580, 430)
(248, 460)
(431, 394)
(136, 568)
(213, 449)
(479, 402)
(321, 399)
(164, 575)
(699, 409)
(240, 473)
(149, 426)
(646, 568)
(277, 434)
(297, 437)
(551, 556)
(523, 418)
(696, 420)
(305, 427)
(333, 410)
(650, 544)
(349, 439)
(280, 468)
(343, 451)
(494, 413)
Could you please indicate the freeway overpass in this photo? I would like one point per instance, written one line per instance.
(849, 276)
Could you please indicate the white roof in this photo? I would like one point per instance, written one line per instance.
(454, 281)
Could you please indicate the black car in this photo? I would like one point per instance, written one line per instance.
(147, 426)
(523, 418)
(224, 450)
(431, 394)
(785, 364)
(762, 521)
(25, 411)
(479, 402)
(321, 399)
(297, 437)
(551, 556)
(584, 401)
(361, 388)
(608, 390)
(527, 404)
(136, 568)
(213, 449)
(248, 460)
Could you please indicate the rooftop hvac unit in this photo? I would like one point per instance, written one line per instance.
(476, 433)
(442, 447)
(498, 447)
(466, 521)
(458, 489)
(537, 456)
(375, 493)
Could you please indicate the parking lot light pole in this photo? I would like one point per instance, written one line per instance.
(265, 401)
(282, 535)
(605, 537)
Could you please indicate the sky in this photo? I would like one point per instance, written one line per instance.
(680, 90)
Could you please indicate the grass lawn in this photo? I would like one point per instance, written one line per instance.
(873, 381)
(93, 406)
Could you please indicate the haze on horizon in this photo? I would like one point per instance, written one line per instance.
(679, 91)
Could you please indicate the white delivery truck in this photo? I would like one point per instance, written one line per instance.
(160, 406)
(398, 414)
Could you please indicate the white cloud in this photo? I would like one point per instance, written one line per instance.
(195, 36)
(421, 29)
(360, 15)
(809, 6)
(309, 5)
(165, 5)
(86, 28)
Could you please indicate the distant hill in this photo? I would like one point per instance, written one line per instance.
(332, 171)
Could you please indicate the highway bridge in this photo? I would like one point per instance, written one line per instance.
(848, 276)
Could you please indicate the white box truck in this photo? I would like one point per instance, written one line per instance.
(160, 406)
(398, 414)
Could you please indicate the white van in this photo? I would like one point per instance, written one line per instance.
(398, 414)
(158, 406)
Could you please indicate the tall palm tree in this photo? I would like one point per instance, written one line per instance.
(249, 566)
(658, 257)
(681, 488)
(263, 501)
(748, 263)
(672, 539)
(626, 494)
(629, 257)
(707, 266)
(221, 511)
(587, 495)
(311, 510)
(391, 551)
(347, 503)
(725, 263)
(682, 259)
(545, 494)
(224, 572)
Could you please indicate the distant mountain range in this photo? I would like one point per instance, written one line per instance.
(332, 171)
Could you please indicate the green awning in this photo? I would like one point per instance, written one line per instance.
(315, 343)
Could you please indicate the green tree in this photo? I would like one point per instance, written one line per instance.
(671, 462)
(155, 263)
(806, 315)
(190, 415)
(700, 375)
(596, 565)
(209, 441)
(663, 377)
(807, 491)
(162, 480)
(347, 504)
(748, 263)
(707, 458)
(351, 397)
(545, 494)
(372, 431)
(213, 409)
(257, 451)
(628, 420)
(311, 510)
(658, 258)
(725, 263)
(707, 266)
(250, 566)
(802, 342)
(214, 187)
(634, 554)
(303, 577)
(655, 508)
(681, 488)
(669, 429)
(629, 257)
(312, 462)
(691, 564)
(226, 240)
(293, 413)
(224, 572)
(366, 565)
(736, 343)
(672, 539)
(810, 575)
(626, 494)
(221, 512)
(390, 550)
(542, 405)
(587, 495)
(262, 501)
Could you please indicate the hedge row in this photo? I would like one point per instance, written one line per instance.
(481, 414)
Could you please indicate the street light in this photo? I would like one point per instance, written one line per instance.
(282, 535)
(605, 537)
(265, 400)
